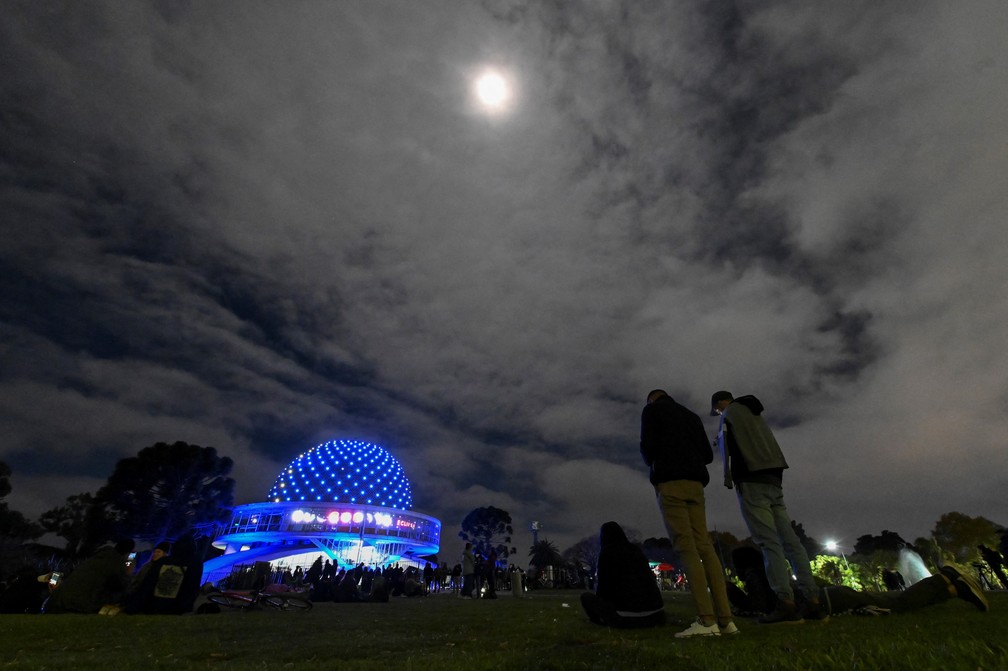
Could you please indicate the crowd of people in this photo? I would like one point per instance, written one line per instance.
(676, 449)
(774, 579)
(168, 581)
(109, 583)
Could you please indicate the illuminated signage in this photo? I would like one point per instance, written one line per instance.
(335, 517)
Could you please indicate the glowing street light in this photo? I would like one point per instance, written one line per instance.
(832, 546)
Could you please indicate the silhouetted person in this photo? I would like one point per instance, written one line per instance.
(468, 571)
(757, 597)
(675, 447)
(754, 465)
(626, 593)
(996, 563)
(950, 582)
(98, 581)
(26, 593)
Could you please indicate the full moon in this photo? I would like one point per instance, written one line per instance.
(492, 90)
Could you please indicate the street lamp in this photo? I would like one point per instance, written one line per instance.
(832, 546)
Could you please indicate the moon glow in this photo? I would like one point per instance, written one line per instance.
(492, 90)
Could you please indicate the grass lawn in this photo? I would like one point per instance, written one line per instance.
(546, 631)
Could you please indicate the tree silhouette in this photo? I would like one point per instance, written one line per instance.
(165, 491)
(5, 485)
(585, 553)
(15, 528)
(660, 550)
(544, 553)
(488, 528)
(76, 522)
(888, 541)
(811, 545)
(959, 535)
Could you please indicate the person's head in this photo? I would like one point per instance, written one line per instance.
(719, 401)
(160, 550)
(124, 546)
(655, 395)
(612, 533)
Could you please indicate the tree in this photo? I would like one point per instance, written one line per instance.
(75, 522)
(835, 571)
(889, 541)
(15, 528)
(660, 550)
(544, 553)
(724, 542)
(585, 553)
(811, 545)
(488, 528)
(959, 535)
(165, 491)
(5, 485)
(929, 551)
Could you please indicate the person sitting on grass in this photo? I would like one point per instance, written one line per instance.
(758, 598)
(172, 583)
(626, 592)
(98, 582)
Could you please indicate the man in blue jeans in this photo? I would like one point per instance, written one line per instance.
(754, 464)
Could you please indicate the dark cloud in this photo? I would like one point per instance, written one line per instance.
(264, 230)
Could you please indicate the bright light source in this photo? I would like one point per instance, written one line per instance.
(493, 90)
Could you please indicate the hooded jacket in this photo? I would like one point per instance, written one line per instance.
(674, 443)
(624, 576)
(748, 447)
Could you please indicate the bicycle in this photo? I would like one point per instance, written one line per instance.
(256, 599)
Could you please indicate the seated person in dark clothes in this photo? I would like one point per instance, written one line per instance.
(626, 591)
(758, 598)
(26, 593)
(171, 584)
(97, 582)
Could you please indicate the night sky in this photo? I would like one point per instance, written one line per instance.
(259, 226)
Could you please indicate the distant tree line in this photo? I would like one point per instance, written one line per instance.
(956, 537)
(163, 492)
(168, 490)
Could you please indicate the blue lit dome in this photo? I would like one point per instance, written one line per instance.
(344, 471)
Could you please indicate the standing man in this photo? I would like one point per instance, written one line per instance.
(754, 462)
(674, 445)
(468, 571)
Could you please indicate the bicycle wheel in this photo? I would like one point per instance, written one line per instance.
(284, 602)
(228, 600)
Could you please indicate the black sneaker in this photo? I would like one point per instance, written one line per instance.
(966, 587)
(785, 613)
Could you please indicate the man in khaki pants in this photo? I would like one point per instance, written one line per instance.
(674, 445)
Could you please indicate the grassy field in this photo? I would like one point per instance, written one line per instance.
(546, 631)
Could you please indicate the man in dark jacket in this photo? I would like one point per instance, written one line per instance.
(674, 445)
(754, 464)
(626, 592)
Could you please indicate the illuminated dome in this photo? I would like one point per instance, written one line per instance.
(344, 471)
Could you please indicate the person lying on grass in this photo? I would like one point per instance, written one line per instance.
(949, 583)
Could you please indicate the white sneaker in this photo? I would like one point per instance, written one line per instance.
(698, 628)
(729, 629)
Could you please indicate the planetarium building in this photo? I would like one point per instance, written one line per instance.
(346, 501)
